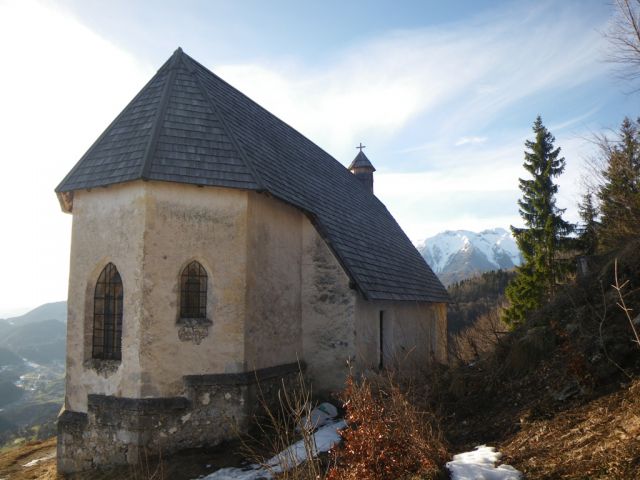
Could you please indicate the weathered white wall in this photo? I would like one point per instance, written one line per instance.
(273, 321)
(108, 226)
(414, 334)
(328, 307)
(151, 231)
(276, 293)
(186, 223)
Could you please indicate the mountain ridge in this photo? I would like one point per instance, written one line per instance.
(46, 311)
(456, 255)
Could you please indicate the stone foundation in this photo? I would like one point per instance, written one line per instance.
(118, 430)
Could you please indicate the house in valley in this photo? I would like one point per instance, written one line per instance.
(214, 248)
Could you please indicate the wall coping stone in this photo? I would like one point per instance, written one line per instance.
(243, 378)
(70, 417)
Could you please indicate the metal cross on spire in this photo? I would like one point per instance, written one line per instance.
(361, 146)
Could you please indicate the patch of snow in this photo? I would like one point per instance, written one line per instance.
(479, 464)
(320, 416)
(33, 463)
(440, 248)
(325, 438)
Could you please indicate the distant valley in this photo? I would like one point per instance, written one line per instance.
(456, 255)
(32, 355)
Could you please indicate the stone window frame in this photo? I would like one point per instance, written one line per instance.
(194, 281)
(194, 328)
(107, 340)
(102, 365)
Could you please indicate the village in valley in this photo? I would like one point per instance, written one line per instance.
(248, 241)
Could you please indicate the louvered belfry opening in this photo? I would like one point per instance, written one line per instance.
(193, 292)
(107, 315)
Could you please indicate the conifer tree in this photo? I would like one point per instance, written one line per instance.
(545, 231)
(588, 234)
(620, 194)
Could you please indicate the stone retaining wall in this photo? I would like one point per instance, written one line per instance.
(215, 408)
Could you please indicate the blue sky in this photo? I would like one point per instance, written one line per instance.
(442, 93)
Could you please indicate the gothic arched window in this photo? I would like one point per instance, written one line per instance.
(193, 292)
(107, 315)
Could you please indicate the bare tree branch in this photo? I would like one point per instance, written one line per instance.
(624, 37)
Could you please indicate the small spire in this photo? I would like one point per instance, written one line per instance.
(362, 168)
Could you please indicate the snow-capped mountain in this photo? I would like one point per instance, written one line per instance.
(456, 255)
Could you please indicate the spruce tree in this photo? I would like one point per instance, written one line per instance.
(545, 231)
(620, 194)
(588, 232)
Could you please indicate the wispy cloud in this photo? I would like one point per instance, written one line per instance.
(470, 141)
(434, 89)
(576, 120)
(457, 78)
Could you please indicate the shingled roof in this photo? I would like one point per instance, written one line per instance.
(187, 125)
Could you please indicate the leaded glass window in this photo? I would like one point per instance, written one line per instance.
(107, 315)
(193, 292)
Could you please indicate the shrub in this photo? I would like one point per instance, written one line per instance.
(387, 436)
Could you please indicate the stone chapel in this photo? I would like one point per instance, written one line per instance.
(215, 248)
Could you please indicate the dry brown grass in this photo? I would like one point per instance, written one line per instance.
(479, 339)
(280, 426)
(12, 461)
(598, 440)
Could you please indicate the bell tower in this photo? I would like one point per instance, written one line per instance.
(362, 168)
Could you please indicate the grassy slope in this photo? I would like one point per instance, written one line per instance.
(12, 461)
(560, 396)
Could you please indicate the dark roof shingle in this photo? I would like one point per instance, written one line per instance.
(187, 125)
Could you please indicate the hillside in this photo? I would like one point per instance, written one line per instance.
(461, 254)
(39, 341)
(476, 296)
(560, 394)
(9, 393)
(47, 311)
(7, 357)
(32, 354)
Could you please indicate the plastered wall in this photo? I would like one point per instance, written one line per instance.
(151, 231)
(108, 226)
(186, 223)
(276, 293)
(274, 252)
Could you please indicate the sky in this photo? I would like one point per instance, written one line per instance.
(443, 94)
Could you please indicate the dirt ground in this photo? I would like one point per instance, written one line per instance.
(36, 460)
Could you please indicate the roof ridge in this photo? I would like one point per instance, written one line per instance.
(263, 109)
(172, 66)
(243, 156)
